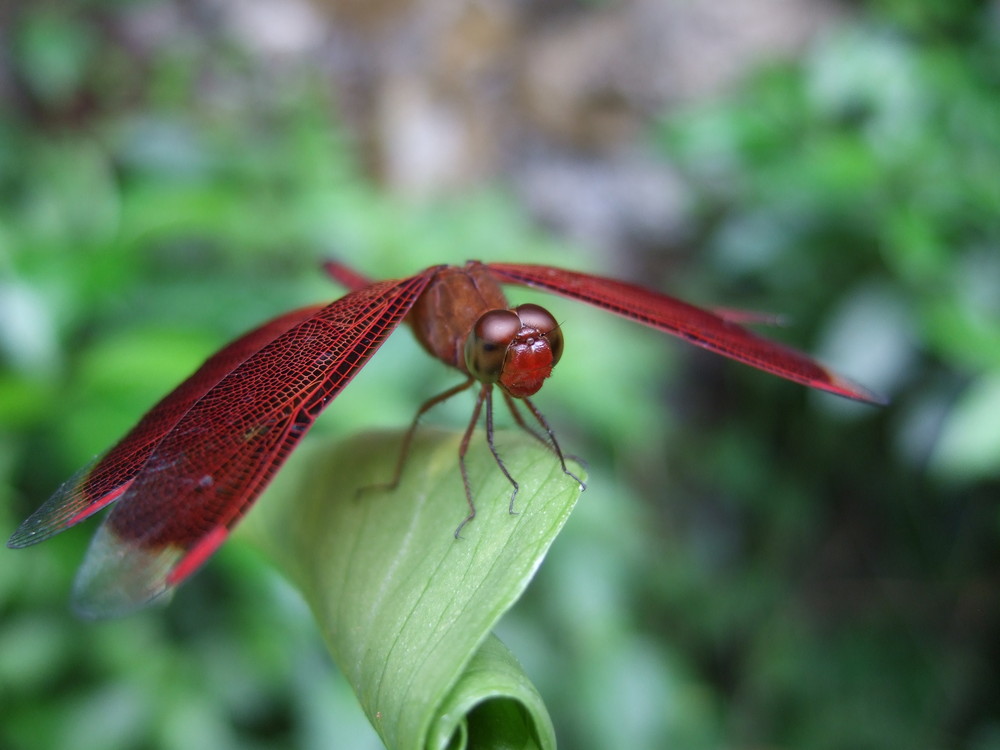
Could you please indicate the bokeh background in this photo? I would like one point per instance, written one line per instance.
(753, 565)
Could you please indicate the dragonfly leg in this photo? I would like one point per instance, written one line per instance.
(551, 443)
(404, 449)
(463, 448)
(493, 449)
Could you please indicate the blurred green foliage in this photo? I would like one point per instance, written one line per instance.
(752, 564)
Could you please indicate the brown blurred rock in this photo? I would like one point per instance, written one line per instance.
(547, 94)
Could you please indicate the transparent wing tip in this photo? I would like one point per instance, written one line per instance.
(850, 389)
(118, 576)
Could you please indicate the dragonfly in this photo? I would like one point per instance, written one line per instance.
(185, 475)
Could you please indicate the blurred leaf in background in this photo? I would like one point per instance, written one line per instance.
(752, 564)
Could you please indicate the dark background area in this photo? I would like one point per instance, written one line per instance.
(753, 564)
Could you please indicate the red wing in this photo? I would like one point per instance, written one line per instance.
(346, 276)
(717, 333)
(104, 479)
(204, 475)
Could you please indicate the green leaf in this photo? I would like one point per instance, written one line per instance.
(405, 607)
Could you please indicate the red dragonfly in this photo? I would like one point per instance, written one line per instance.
(188, 471)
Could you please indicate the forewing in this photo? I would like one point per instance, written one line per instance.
(204, 475)
(345, 275)
(104, 479)
(720, 334)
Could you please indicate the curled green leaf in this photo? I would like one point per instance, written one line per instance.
(405, 607)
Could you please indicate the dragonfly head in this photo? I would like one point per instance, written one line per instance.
(516, 349)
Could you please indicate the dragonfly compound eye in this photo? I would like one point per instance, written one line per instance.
(537, 317)
(486, 346)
